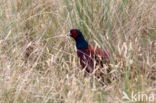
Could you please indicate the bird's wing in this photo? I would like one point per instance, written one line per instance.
(102, 55)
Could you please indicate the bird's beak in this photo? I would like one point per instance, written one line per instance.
(68, 34)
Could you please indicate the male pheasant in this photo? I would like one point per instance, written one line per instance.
(90, 57)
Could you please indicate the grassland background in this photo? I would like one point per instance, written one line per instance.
(37, 66)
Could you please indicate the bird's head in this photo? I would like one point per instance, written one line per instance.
(77, 35)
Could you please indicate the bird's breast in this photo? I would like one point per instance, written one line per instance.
(82, 53)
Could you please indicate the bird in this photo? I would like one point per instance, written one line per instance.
(90, 57)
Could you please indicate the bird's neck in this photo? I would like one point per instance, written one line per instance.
(81, 43)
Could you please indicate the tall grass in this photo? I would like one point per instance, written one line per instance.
(38, 66)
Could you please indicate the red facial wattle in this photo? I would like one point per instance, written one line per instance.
(73, 33)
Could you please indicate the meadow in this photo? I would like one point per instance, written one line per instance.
(37, 65)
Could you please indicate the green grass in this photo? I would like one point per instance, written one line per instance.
(36, 66)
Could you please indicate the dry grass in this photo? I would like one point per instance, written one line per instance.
(36, 66)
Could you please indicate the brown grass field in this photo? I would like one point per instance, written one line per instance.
(37, 65)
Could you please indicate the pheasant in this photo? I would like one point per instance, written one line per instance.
(90, 57)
